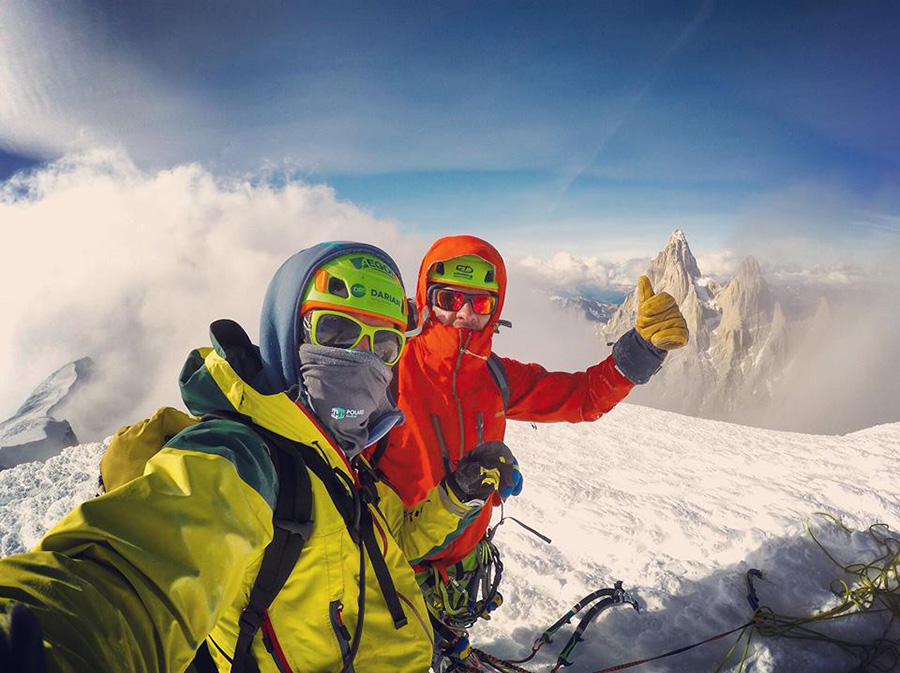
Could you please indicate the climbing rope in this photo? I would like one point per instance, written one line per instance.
(874, 588)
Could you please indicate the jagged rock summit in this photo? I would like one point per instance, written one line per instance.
(675, 268)
(34, 432)
(675, 271)
(740, 345)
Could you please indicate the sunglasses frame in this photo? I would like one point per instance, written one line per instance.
(468, 297)
(365, 330)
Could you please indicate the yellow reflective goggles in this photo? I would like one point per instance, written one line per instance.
(342, 330)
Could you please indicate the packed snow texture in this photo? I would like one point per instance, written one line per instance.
(678, 508)
(34, 496)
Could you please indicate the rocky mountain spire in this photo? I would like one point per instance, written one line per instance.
(675, 269)
(747, 294)
(740, 341)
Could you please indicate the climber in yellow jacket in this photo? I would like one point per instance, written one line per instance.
(141, 577)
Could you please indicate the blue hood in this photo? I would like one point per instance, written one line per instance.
(279, 336)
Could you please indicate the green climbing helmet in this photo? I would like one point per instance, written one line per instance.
(359, 282)
(467, 270)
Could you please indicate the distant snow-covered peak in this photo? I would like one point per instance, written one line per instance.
(54, 389)
(34, 432)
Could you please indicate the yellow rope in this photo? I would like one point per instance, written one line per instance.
(874, 588)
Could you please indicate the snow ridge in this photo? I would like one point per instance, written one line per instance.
(34, 432)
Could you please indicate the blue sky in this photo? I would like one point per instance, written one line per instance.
(596, 127)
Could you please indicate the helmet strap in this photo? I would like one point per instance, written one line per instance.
(426, 314)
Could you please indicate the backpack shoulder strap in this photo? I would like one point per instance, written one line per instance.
(380, 448)
(498, 372)
(292, 525)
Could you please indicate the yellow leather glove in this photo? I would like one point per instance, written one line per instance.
(659, 319)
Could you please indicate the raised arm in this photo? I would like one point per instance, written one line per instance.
(539, 395)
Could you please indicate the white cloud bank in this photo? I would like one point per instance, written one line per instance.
(564, 269)
(129, 267)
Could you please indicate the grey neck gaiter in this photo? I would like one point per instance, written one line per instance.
(348, 391)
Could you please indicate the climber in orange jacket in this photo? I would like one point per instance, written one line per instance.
(453, 402)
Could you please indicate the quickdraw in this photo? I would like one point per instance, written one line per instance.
(459, 595)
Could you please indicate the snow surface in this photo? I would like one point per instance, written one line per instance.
(677, 507)
(34, 496)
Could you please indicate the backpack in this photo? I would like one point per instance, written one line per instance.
(132, 446)
(127, 455)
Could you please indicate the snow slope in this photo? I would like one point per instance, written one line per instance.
(676, 507)
(34, 496)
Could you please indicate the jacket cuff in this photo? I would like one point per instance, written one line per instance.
(456, 506)
(636, 358)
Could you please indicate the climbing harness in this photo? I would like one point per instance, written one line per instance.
(459, 595)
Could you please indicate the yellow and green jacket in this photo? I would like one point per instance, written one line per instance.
(135, 579)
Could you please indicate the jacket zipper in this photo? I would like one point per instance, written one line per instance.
(442, 443)
(340, 630)
(459, 409)
(270, 640)
(479, 429)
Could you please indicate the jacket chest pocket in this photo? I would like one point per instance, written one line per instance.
(483, 422)
(476, 420)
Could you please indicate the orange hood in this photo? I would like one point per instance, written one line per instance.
(454, 246)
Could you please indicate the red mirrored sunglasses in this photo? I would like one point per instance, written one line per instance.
(453, 300)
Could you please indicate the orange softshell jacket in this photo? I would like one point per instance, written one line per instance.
(450, 399)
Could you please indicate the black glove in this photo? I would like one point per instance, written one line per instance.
(23, 649)
(486, 468)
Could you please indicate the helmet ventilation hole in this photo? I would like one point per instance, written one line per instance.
(338, 288)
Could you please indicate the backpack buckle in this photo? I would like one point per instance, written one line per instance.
(304, 529)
